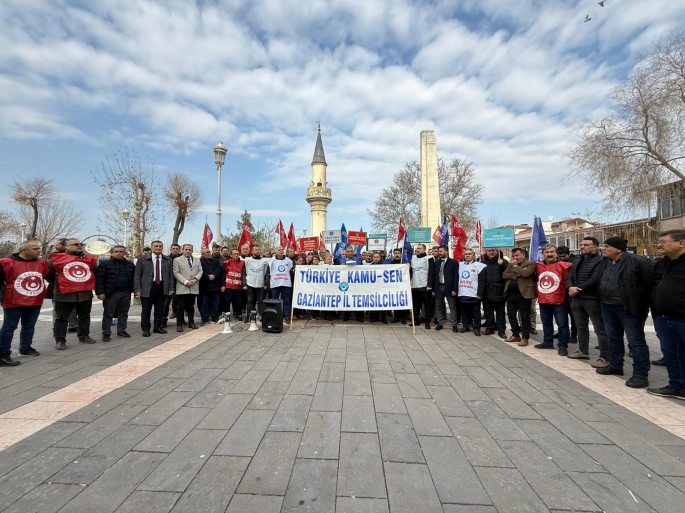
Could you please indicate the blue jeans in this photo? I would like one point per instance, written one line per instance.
(549, 314)
(282, 293)
(28, 315)
(671, 334)
(208, 303)
(616, 322)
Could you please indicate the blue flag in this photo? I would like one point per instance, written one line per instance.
(343, 234)
(537, 240)
(407, 251)
(445, 231)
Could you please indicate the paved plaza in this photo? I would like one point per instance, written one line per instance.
(348, 418)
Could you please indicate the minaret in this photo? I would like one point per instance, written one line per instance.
(318, 194)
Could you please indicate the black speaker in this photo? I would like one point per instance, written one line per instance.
(272, 316)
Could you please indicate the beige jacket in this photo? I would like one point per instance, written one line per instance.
(183, 274)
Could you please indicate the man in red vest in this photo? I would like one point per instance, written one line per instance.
(74, 285)
(552, 275)
(23, 275)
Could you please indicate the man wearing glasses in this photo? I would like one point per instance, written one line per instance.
(74, 282)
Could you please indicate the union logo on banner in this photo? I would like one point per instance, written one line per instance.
(77, 272)
(29, 283)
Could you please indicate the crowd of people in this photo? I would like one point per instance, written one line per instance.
(605, 285)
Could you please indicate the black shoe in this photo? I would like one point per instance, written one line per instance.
(28, 352)
(609, 371)
(346, 317)
(502, 334)
(428, 325)
(159, 330)
(72, 330)
(6, 361)
(86, 340)
(562, 352)
(659, 363)
(287, 320)
(438, 327)
(556, 335)
(476, 333)
(123, 334)
(395, 320)
(164, 323)
(106, 338)
(384, 320)
(146, 333)
(205, 323)
(574, 340)
(637, 382)
(60, 344)
(455, 329)
(489, 332)
(667, 391)
(543, 346)
(403, 320)
(533, 331)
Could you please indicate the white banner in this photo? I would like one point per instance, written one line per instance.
(352, 288)
(332, 236)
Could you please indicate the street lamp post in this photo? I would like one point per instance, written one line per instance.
(219, 159)
(23, 227)
(125, 214)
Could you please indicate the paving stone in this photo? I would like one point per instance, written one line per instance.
(535, 379)
(358, 505)
(312, 486)
(658, 493)
(609, 493)
(402, 366)
(358, 414)
(156, 391)
(269, 471)
(110, 490)
(397, 438)
(267, 362)
(509, 491)
(410, 489)
(91, 464)
(453, 477)
(304, 383)
(478, 446)
(357, 383)
(212, 394)
(251, 382)
(419, 357)
(98, 408)
(246, 433)
(483, 378)
(204, 495)
(237, 370)
(646, 429)
(35, 471)
(525, 391)
(498, 424)
(467, 389)
(412, 386)
(292, 413)
(46, 498)
(159, 502)
(431, 376)
(551, 484)
(574, 428)
(356, 363)
(255, 504)
(269, 396)
(388, 398)
(448, 401)
(332, 372)
(312, 362)
(459, 508)
(511, 404)
(576, 406)
(94, 432)
(284, 371)
(360, 451)
(199, 380)
(678, 482)
(170, 433)
(224, 414)
(381, 373)
(162, 409)
(321, 438)
(426, 418)
(328, 397)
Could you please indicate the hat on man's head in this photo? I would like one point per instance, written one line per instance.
(617, 242)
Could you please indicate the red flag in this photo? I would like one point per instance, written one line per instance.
(437, 234)
(479, 238)
(460, 238)
(207, 236)
(321, 244)
(245, 237)
(292, 241)
(283, 239)
(400, 233)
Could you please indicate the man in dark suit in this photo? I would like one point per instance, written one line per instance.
(211, 287)
(444, 280)
(153, 281)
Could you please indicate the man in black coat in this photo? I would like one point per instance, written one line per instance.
(153, 281)
(625, 285)
(444, 281)
(211, 287)
(114, 286)
(582, 284)
(493, 300)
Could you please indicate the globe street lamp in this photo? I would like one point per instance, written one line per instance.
(125, 214)
(219, 158)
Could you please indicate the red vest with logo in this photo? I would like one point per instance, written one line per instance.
(552, 282)
(74, 274)
(25, 283)
(234, 274)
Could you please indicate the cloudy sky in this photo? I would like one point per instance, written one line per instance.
(502, 83)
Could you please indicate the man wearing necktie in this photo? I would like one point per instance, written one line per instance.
(444, 278)
(153, 281)
(187, 271)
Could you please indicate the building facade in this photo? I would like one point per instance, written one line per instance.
(318, 193)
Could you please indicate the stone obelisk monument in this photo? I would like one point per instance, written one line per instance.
(430, 188)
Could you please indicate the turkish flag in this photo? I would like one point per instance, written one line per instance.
(283, 238)
(292, 241)
(460, 238)
(321, 244)
(245, 237)
(437, 234)
(401, 232)
(207, 237)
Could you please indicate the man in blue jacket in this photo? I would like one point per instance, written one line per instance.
(445, 285)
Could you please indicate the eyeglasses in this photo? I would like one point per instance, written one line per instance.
(77, 244)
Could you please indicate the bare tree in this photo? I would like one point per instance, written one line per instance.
(184, 198)
(460, 195)
(263, 233)
(641, 146)
(493, 221)
(128, 182)
(10, 233)
(32, 193)
(58, 218)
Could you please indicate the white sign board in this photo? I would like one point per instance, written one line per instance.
(376, 244)
(332, 236)
(356, 288)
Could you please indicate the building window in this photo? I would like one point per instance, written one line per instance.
(673, 202)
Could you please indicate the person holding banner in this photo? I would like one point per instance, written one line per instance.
(350, 257)
(278, 277)
(444, 282)
(471, 291)
(420, 265)
(376, 315)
